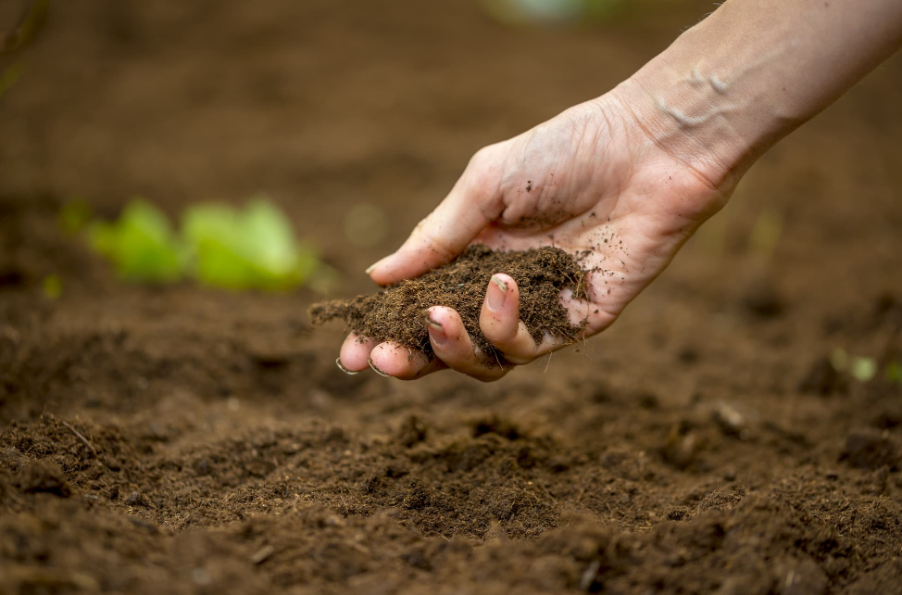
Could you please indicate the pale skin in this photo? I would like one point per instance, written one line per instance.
(628, 177)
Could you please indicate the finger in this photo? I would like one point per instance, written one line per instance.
(452, 344)
(404, 363)
(441, 236)
(500, 321)
(355, 352)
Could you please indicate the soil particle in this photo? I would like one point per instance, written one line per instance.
(870, 449)
(398, 313)
(648, 400)
(823, 379)
(730, 421)
(762, 299)
(888, 415)
(682, 446)
(497, 426)
(44, 477)
(412, 431)
(136, 499)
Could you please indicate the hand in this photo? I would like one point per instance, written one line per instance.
(591, 179)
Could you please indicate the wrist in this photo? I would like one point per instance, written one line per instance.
(688, 117)
(730, 87)
(717, 97)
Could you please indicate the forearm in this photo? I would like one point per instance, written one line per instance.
(753, 71)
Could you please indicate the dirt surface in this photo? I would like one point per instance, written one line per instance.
(399, 312)
(181, 440)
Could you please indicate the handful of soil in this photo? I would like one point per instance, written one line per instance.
(398, 312)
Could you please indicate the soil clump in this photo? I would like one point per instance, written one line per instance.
(399, 314)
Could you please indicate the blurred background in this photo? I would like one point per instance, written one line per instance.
(356, 118)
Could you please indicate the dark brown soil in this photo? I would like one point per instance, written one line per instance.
(181, 440)
(398, 313)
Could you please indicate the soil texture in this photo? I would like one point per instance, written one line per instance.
(399, 314)
(182, 440)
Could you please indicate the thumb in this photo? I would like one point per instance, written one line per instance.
(472, 204)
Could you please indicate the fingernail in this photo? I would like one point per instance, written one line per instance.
(373, 266)
(494, 298)
(436, 331)
(343, 369)
(377, 370)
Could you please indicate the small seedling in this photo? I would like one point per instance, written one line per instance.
(141, 244)
(863, 368)
(219, 245)
(243, 249)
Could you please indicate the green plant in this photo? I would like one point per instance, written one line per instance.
(242, 249)
(862, 369)
(141, 244)
(219, 245)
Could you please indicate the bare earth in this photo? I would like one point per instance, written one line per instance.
(181, 440)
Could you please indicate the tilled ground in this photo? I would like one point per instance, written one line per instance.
(183, 440)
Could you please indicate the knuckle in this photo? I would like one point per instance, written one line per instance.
(482, 181)
(497, 335)
(425, 241)
(483, 157)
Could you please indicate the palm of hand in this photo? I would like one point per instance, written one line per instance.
(587, 182)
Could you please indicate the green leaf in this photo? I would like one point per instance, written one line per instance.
(252, 248)
(863, 368)
(141, 244)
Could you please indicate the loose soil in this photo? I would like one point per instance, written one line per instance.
(399, 312)
(180, 440)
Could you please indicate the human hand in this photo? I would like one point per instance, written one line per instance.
(595, 181)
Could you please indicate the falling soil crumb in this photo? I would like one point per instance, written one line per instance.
(398, 313)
